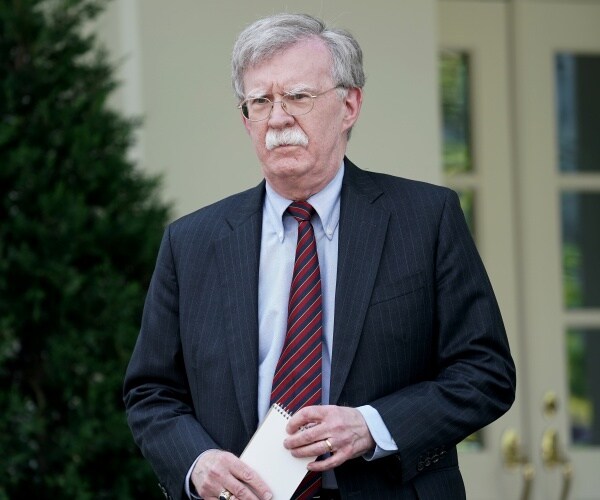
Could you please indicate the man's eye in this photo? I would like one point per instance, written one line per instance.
(298, 96)
(258, 101)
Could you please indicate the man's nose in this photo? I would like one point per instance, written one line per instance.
(279, 116)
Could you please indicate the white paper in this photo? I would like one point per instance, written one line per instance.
(275, 464)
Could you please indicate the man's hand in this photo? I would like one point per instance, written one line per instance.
(217, 470)
(314, 428)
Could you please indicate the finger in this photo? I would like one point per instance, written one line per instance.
(218, 470)
(209, 472)
(240, 490)
(329, 445)
(328, 463)
(312, 449)
(311, 433)
(306, 417)
(249, 484)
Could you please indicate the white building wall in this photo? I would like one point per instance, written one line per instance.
(176, 75)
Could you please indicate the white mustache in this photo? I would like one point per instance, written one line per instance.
(285, 137)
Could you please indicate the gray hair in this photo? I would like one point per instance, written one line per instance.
(268, 36)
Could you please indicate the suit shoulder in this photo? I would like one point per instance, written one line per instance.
(212, 218)
(388, 182)
(374, 183)
(217, 212)
(404, 193)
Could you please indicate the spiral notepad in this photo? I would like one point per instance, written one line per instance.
(267, 456)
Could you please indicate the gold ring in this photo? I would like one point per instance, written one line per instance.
(224, 495)
(329, 446)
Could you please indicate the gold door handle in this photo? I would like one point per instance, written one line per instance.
(513, 457)
(554, 456)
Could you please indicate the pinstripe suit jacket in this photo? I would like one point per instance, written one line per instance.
(418, 335)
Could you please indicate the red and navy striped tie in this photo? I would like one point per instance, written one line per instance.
(297, 379)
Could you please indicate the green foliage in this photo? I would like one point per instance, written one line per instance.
(79, 231)
(455, 99)
(572, 270)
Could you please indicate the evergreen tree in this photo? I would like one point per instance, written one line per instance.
(79, 231)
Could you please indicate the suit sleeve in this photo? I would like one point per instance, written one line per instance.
(473, 375)
(156, 392)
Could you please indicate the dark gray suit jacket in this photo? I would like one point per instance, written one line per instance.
(418, 335)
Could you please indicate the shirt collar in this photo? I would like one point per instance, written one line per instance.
(326, 203)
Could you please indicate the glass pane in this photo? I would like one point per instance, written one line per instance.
(583, 351)
(467, 203)
(581, 249)
(472, 443)
(578, 106)
(456, 112)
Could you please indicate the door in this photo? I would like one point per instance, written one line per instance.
(521, 113)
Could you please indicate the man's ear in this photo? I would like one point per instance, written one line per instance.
(246, 123)
(353, 103)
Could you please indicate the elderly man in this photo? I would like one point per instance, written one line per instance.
(355, 299)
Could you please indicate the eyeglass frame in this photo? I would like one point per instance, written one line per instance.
(240, 106)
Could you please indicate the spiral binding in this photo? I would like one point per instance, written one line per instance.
(283, 411)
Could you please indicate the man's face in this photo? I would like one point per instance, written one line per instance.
(297, 171)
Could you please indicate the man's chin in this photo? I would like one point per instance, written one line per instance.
(285, 164)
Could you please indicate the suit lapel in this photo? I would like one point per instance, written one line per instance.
(363, 226)
(238, 255)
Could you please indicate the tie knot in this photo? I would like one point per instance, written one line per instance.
(301, 210)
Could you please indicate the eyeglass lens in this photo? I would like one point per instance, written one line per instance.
(294, 104)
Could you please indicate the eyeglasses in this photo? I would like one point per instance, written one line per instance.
(257, 109)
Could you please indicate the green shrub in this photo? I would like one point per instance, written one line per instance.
(79, 231)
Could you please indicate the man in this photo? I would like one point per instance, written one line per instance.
(412, 352)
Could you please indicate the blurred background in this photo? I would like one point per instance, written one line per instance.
(499, 100)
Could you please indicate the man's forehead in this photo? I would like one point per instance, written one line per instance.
(311, 43)
(299, 67)
(288, 88)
